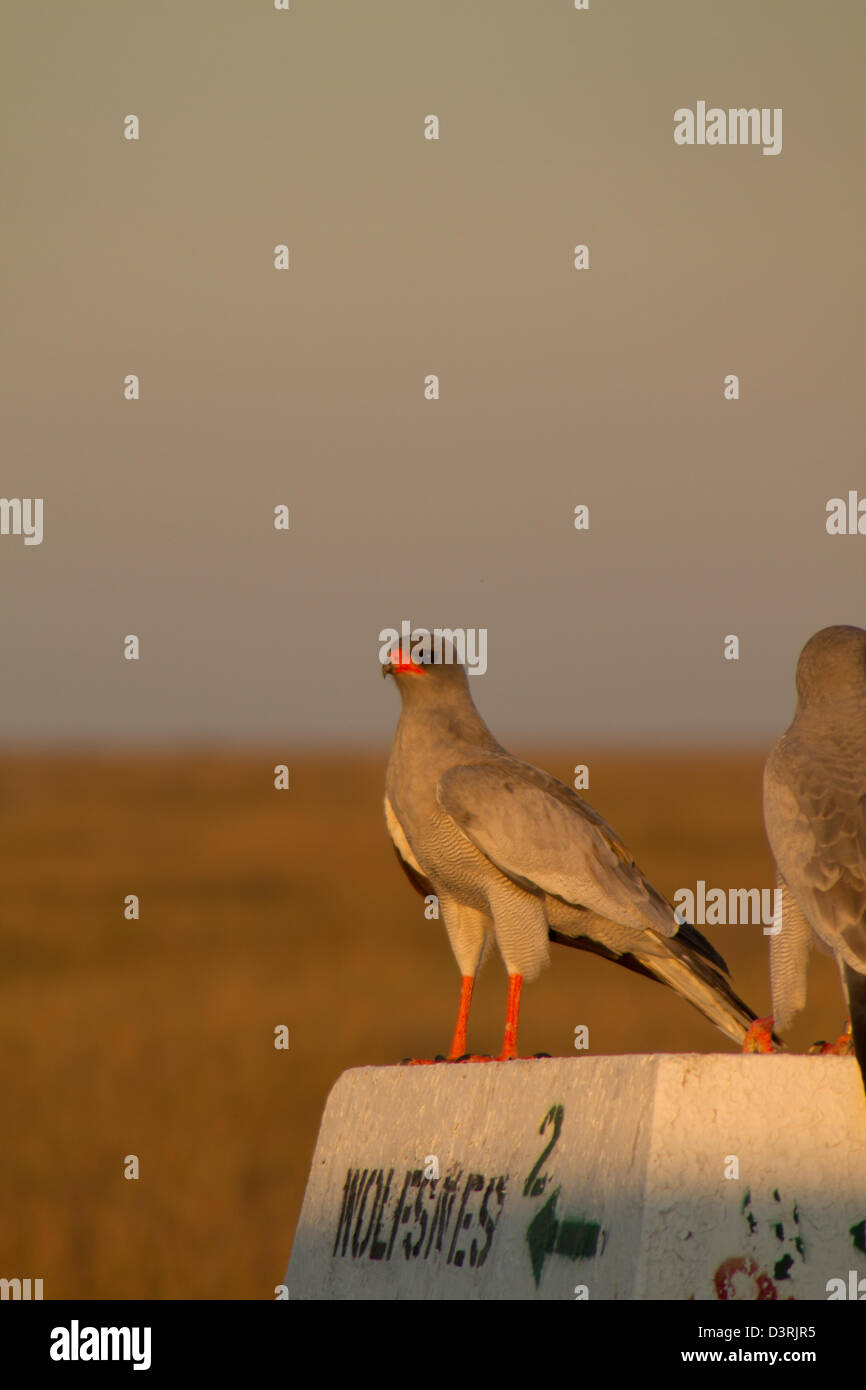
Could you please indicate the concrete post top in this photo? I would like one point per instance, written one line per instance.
(645, 1176)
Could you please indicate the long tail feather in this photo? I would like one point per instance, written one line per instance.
(685, 968)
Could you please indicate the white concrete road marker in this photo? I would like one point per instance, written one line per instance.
(598, 1177)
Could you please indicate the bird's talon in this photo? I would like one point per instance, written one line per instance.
(759, 1038)
(842, 1047)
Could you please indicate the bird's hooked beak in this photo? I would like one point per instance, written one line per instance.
(400, 664)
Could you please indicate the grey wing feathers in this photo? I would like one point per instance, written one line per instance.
(686, 961)
(537, 832)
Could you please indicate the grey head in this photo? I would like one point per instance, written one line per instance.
(832, 668)
(427, 672)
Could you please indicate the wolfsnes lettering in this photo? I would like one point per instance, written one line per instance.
(379, 1218)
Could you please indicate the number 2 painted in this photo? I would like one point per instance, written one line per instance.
(534, 1185)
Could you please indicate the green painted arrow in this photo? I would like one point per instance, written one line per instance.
(546, 1235)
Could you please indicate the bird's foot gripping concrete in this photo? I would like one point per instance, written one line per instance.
(842, 1047)
(468, 1057)
(760, 1036)
(431, 1061)
(503, 1057)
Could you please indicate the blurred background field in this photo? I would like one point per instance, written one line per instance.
(306, 389)
(261, 908)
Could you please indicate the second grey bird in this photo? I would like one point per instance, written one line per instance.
(517, 857)
(815, 817)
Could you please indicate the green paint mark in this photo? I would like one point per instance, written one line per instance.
(800, 1247)
(578, 1240)
(858, 1233)
(779, 1231)
(574, 1238)
(747, 1202)
(780, 1269)
(776, 1197)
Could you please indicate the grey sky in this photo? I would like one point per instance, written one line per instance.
(412, 257)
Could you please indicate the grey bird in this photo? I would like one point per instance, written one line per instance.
(815, 817)
(517, 857)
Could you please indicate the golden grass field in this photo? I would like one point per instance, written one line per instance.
(259, 908)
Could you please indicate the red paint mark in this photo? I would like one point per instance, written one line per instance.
(739, 1278)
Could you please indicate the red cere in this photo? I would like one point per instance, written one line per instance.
(402, 661)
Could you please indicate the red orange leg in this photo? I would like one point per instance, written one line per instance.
(509, 1042)
(458, 1046)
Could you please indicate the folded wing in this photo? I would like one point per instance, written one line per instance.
(546, 838)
